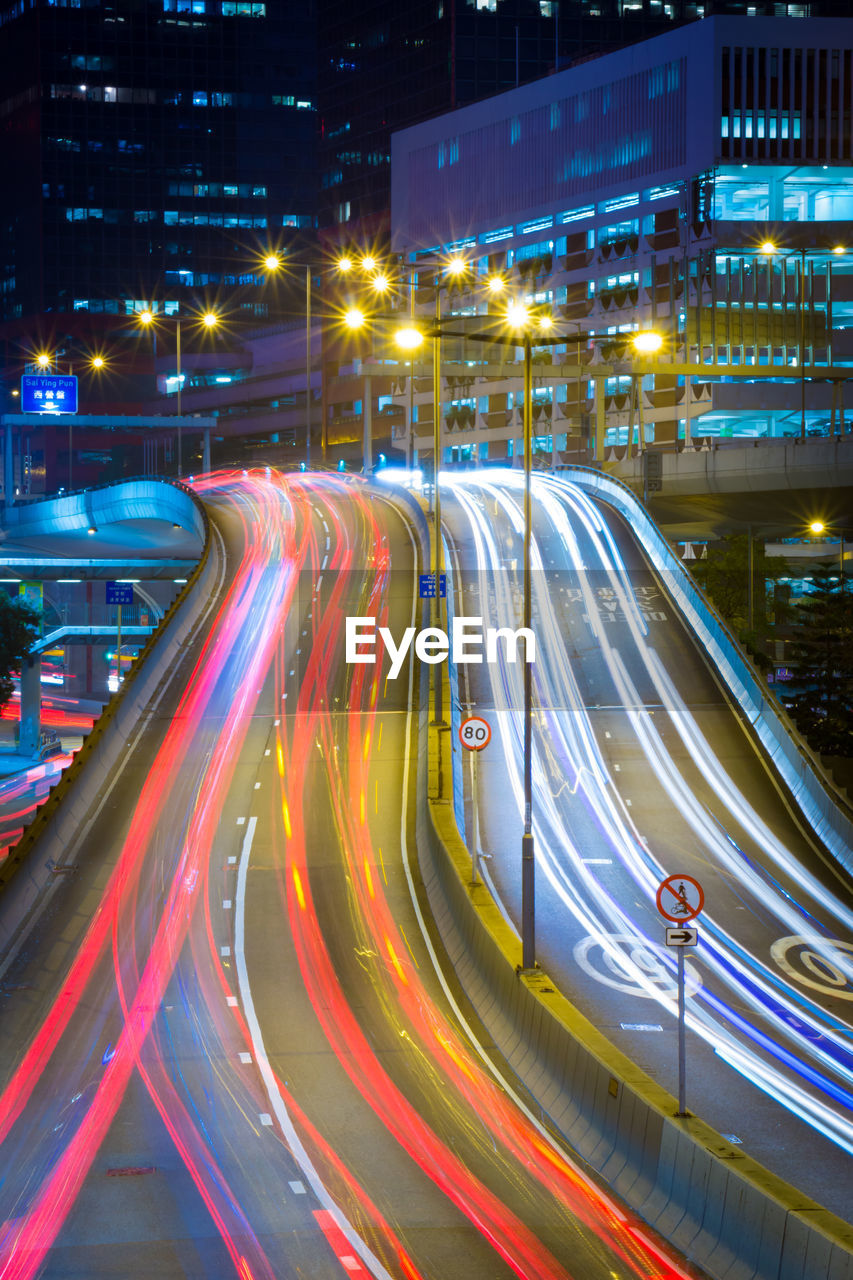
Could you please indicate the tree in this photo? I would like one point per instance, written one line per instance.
(724, 577)
(820, 660)
(19, 628)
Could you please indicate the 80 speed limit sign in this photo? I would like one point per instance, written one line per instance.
(475, 733)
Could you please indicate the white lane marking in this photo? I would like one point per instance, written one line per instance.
(257, 786)
(617, 768)
(226, 904)
(231, 860)
(298, 1188)
(265, 1118)
(266, 753)
(225, 951)
(466, 1026)
(241, 822)
(276, 723)
(328, 543)
(280, 1111)
(245, 1057)
(231, 1001)
(598, 862)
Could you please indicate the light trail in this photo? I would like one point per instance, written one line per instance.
(789, 1044)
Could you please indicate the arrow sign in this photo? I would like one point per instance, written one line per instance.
(682, 937)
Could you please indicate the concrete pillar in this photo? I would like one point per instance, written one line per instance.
(205, 461)
(600, 421)
(368, 425)
(30, 725)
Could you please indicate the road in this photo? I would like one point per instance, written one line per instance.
(226, 1047)
(643, 768)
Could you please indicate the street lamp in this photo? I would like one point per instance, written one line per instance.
(44, 360)
(817, 527)
(150, 319)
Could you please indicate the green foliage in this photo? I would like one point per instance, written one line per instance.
(724, 577)
(820, 659)
(19, 627)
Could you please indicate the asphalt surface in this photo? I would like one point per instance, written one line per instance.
(656, 809)
(226, 1049)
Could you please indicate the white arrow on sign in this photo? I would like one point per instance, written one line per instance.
(682, 937)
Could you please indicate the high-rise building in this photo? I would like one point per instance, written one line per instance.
(150, 149)
(384, 66)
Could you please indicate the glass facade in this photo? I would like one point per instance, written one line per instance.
(155, 148)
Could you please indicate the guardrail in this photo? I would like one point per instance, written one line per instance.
(140, 499)
(815, 793)
(717, 1206)
(43, 848)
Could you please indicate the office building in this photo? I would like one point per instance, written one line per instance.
(150, 151)
(384, 66)
(698, 184)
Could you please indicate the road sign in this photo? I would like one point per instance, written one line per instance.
(475, 733)
(680, 898)
(48, 393)
(119, 593)
(682, 937)
(426, 586)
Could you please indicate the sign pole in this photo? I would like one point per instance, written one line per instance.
(118, 655)
(682, 1068)
(475, 825)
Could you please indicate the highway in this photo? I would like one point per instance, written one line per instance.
(227, 1049)
(643, 768)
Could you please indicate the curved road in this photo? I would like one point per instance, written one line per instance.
(643, 768)
(226, 1048)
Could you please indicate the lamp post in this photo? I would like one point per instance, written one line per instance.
(817, 527)
(771, 250)
(44, 361)
(533, 330)
(149, 318)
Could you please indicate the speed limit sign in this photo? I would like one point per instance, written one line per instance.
(475, 733)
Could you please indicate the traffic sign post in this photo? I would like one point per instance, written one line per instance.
(680, 899)
(475, 733)
(119, 593)
(426, 586)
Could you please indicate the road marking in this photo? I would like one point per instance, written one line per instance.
(607, 733)
(265, 1119)
(628, 803)
(276, 723)
(641, 1026)
(232, 860)
(291, 1137)
(241, 822)
(258, 785)
(226, 904)
(231, 1001)
(245, 1057)
(266, 753)
(617, 768)
(225, 951)
(598, 862)
(298, 1188)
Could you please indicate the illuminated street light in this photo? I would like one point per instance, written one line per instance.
(368, 263)
(354, 319)
(496, 285)
(344, 264)
(647, 342)
(517, 315)
(272, 262)
(456, 267)
(210, 319)
(43, 360)
(380, 283)
(408, 339)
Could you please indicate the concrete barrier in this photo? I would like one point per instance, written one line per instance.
(717, 1206)
(32, 864)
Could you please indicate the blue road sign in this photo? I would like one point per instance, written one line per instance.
(119, 593)
(48, 393)
(426, 589)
